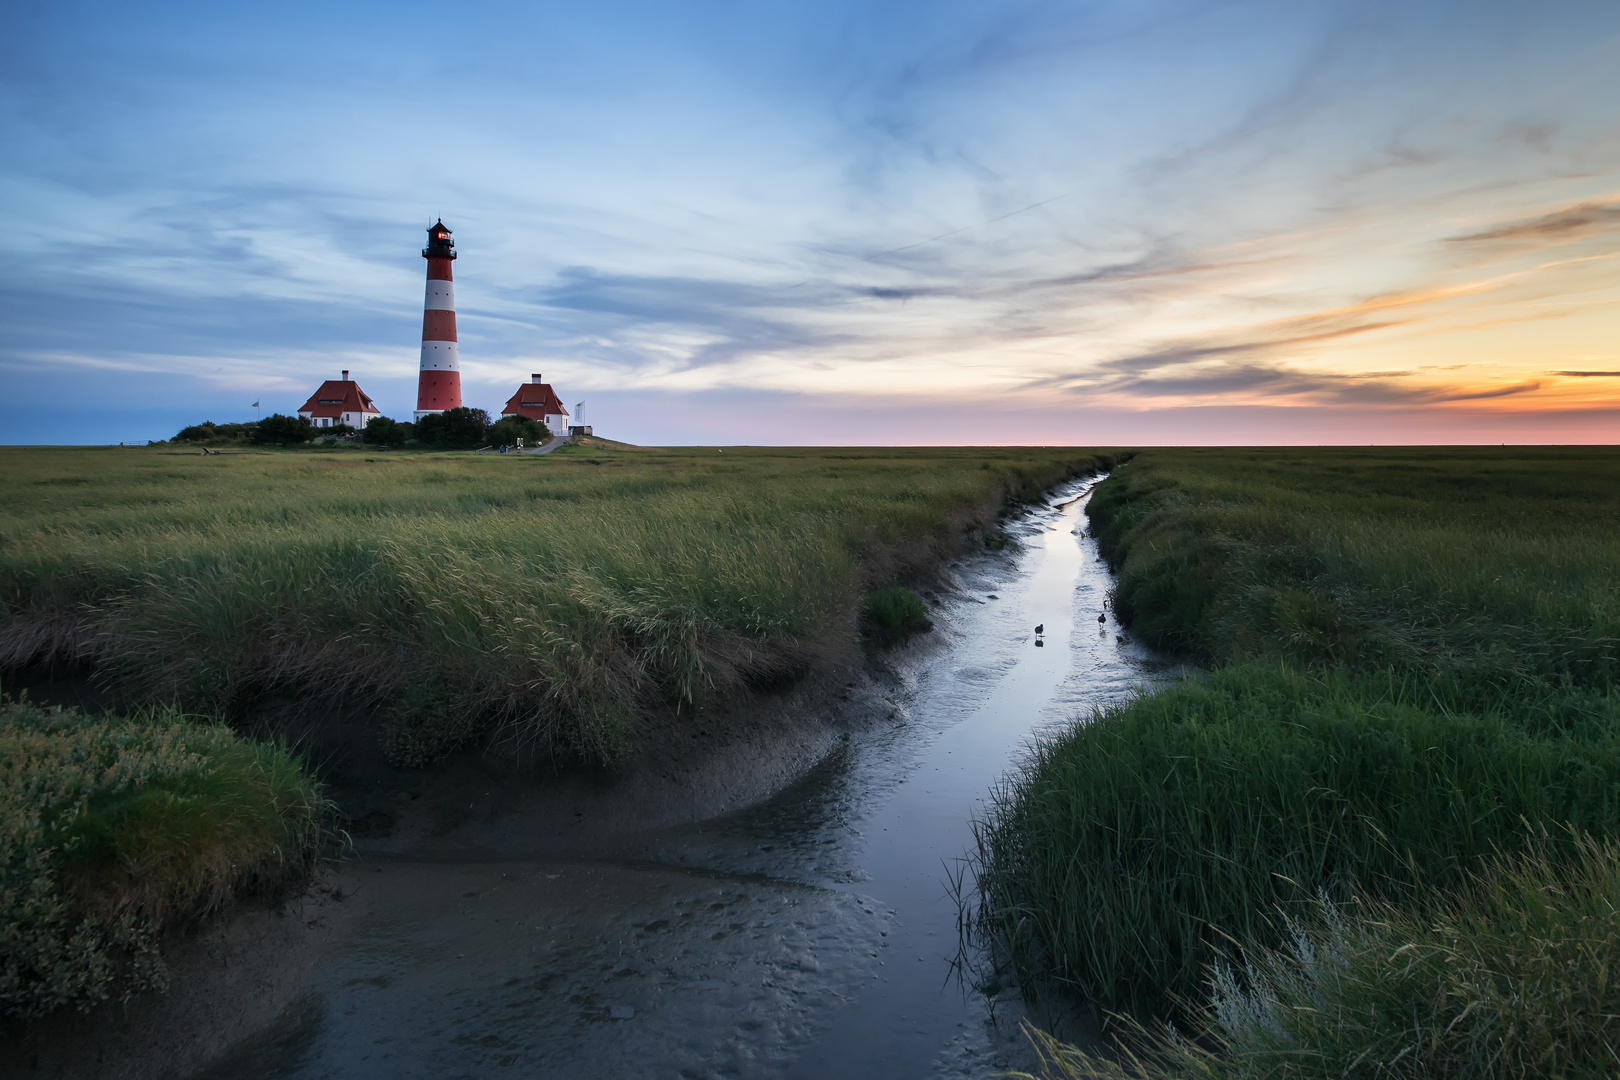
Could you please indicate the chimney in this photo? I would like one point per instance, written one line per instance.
(534, 378)
(345, 376)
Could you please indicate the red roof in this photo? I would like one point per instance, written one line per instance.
(336, 397)
(536, 401)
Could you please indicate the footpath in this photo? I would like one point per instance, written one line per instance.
(550, 446)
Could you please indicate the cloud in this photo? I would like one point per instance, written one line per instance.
(1480, 395)
(1282, 383)
(1572, 223)
(1587, 374)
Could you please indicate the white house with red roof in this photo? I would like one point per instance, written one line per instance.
(538, 401)
(340, 401)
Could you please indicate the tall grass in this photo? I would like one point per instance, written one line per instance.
(113, 829)
(560, 598)
(1414, 670)
(1137, 846)
(1514, 974)
(1485, 568)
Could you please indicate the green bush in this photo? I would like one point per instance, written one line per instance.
(382, 431)
(892, 615)
(1512, 975)
(454, 429)
(115, 828)
(1137, 845)
(279, 430)
(509, 429)
(210, 432)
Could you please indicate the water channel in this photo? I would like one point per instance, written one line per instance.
(810, 936)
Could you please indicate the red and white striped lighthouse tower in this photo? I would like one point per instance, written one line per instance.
(439, 386)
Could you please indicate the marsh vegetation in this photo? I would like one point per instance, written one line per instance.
(564, 603)
(1408, 729)
(115, 831)
(558, 601)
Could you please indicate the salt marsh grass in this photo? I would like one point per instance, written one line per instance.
(1511, 975)
(1480, 563)
(1139, 845)
(116, 829)
(1413, 705)
(559, 599)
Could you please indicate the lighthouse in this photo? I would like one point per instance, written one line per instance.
(439, 386)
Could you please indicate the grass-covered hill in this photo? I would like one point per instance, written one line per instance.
(1379, 837)
(558, 600)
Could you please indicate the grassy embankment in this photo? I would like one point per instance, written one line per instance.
(114, 831)
(1375, 798)
(561, 600)
(564, 599)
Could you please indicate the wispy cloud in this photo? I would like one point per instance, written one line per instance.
(1560, 226)
(1150, 206)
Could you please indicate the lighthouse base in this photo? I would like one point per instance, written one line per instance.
(437, 391)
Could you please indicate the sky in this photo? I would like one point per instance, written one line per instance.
(1120, 222)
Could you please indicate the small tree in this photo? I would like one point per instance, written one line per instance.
(196, 432)
(454, 429)
(280, 430)
(509, 429)
(382, 431)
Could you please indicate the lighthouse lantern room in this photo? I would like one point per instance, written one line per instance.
(438, 386)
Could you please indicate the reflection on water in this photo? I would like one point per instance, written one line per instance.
(812, 935)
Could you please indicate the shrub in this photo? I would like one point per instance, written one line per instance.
(382, 431)
(509, 429)
(279, 430)
(112, 829)
(454, 429)
(892, 615)
(208, 431)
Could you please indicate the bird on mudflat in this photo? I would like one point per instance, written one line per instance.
(1041, 629)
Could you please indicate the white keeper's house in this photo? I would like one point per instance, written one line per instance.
(538, 401)
(340, 401)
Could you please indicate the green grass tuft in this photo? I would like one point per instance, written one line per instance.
(113, 829)
(894, 614)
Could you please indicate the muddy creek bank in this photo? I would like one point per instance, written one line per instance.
(551, 932)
